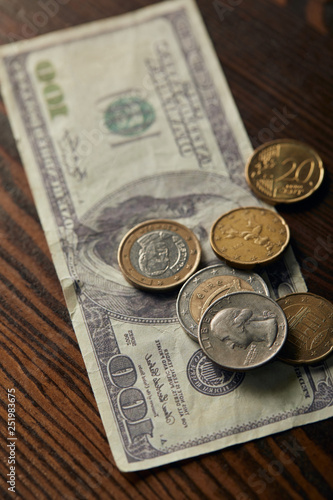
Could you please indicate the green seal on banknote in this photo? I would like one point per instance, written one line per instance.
(129, 116)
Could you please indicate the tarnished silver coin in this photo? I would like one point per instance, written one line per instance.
(243, 330)
(206, 286)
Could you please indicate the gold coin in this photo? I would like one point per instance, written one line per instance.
(284, 171)
(229, 284)
(245, 237)
(159, 254)
(310, 328)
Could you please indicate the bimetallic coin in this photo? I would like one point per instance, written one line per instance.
(245, 237)
(310, 328)
(284, 171)
(243, 330)
(208, 285)
(159, 255)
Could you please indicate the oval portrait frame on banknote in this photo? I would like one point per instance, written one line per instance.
(193, 198)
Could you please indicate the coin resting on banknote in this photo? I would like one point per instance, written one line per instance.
(284, 171)
(206, 286)
(310, 328)
(242, 330)
(159, 254)
(245, 237)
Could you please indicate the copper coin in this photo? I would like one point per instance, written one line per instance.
(208, 285)
(284, 171)
(245, 237)
(310, 328)
(159, 254)
(243, 330)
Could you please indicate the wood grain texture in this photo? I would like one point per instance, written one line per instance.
(277, 57)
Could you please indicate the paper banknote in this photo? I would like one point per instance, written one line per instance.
(117, 122)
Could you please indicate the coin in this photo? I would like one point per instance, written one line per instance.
(208, 285)
(243, 330)
(310, 328)
(159, 254)
(284, 171)
(245, 237)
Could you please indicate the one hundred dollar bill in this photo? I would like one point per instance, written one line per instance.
(118, 122)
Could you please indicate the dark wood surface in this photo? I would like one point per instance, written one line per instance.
(277, 57)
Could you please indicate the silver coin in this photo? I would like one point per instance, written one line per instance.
(206, 286)
(242, 330)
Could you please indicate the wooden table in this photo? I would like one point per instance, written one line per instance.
(277, 57)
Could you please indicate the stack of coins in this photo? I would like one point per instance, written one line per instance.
(243, 330)
(226, 307)
(208, 285)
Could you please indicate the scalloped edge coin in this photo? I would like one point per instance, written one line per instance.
(249, 241)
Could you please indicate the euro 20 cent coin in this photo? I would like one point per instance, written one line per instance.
(243, 330)
(284, 171)
(245, 237)
(159, 255)
(310, 328)
(208, 285)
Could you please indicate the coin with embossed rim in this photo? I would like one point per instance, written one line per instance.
(208, 285)
(310, 328)
(243, 330)
(284, 171)
(245, 237)
(159, 255)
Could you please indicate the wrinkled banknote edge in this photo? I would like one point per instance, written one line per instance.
(205, 448)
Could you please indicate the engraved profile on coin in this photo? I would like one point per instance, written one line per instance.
(208, 285)
(243, 330)
(161, 252)
(241, 327)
